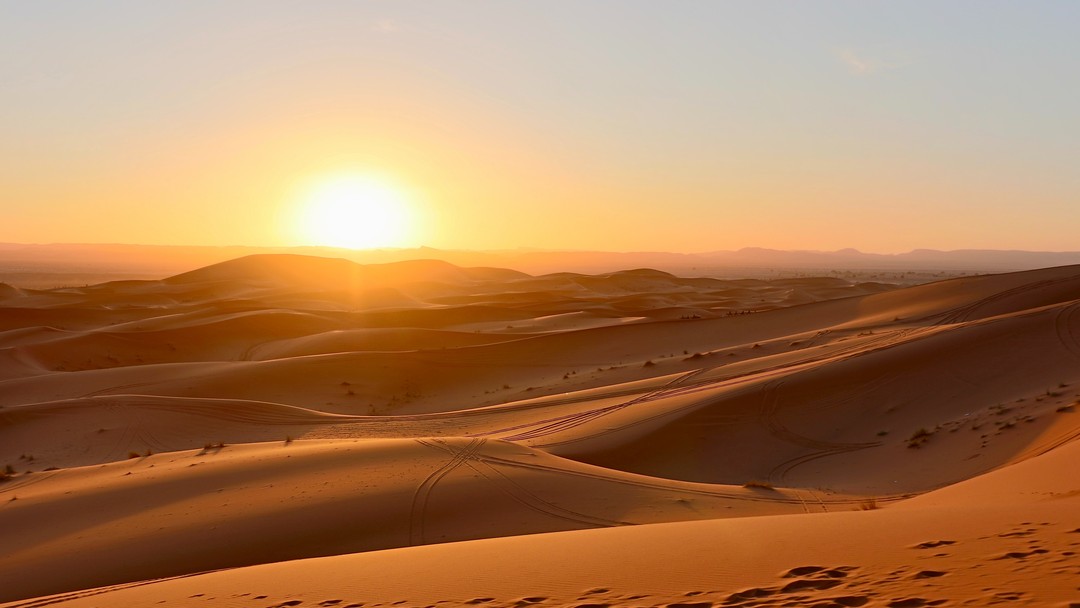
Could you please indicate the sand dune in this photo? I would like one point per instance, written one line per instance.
(947, 550)
(249, 416)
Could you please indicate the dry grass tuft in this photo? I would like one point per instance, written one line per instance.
(919, 437)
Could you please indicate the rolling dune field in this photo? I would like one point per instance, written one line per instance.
(284, 430)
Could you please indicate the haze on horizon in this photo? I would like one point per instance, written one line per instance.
(560, 125)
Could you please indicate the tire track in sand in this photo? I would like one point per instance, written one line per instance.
(418, 511)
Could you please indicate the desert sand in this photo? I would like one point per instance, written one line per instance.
(282, 430)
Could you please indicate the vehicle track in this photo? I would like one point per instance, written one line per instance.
(1066, 319)
(84, 593)
(887, 341)
(963, 313)
(740, 496)
(768, 416)
(487, 470)
(422, 495)
(569, 421)
(1049, 446)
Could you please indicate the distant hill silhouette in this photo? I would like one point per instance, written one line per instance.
(20, 263)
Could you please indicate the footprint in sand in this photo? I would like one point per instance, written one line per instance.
(846, 601)
(803, 571)
(913, 602)
(749, 594)
(930, 544)
(819, 572)
(928, 574)
(808, 584)
(1022, 554)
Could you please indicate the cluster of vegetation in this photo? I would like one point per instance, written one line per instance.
(919, 437)
(216, 447)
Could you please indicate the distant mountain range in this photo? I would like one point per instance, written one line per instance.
(164, 260)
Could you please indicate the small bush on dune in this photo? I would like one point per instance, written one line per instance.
(918, 438)
(761, 485)
(868, 504)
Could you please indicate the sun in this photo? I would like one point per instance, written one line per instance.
(356, 213)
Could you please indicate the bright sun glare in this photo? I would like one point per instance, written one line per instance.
(357, 213)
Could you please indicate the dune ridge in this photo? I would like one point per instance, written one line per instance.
(314, 430)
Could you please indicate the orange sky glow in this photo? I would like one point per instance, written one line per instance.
(627, 126)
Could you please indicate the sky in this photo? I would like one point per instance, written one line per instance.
(622, 125)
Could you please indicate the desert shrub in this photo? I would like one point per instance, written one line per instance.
(918, 438)
(868, 504)
(761, 485)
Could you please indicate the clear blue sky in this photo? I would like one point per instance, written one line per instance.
(686, 126)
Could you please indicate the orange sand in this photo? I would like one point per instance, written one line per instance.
(313, 432)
